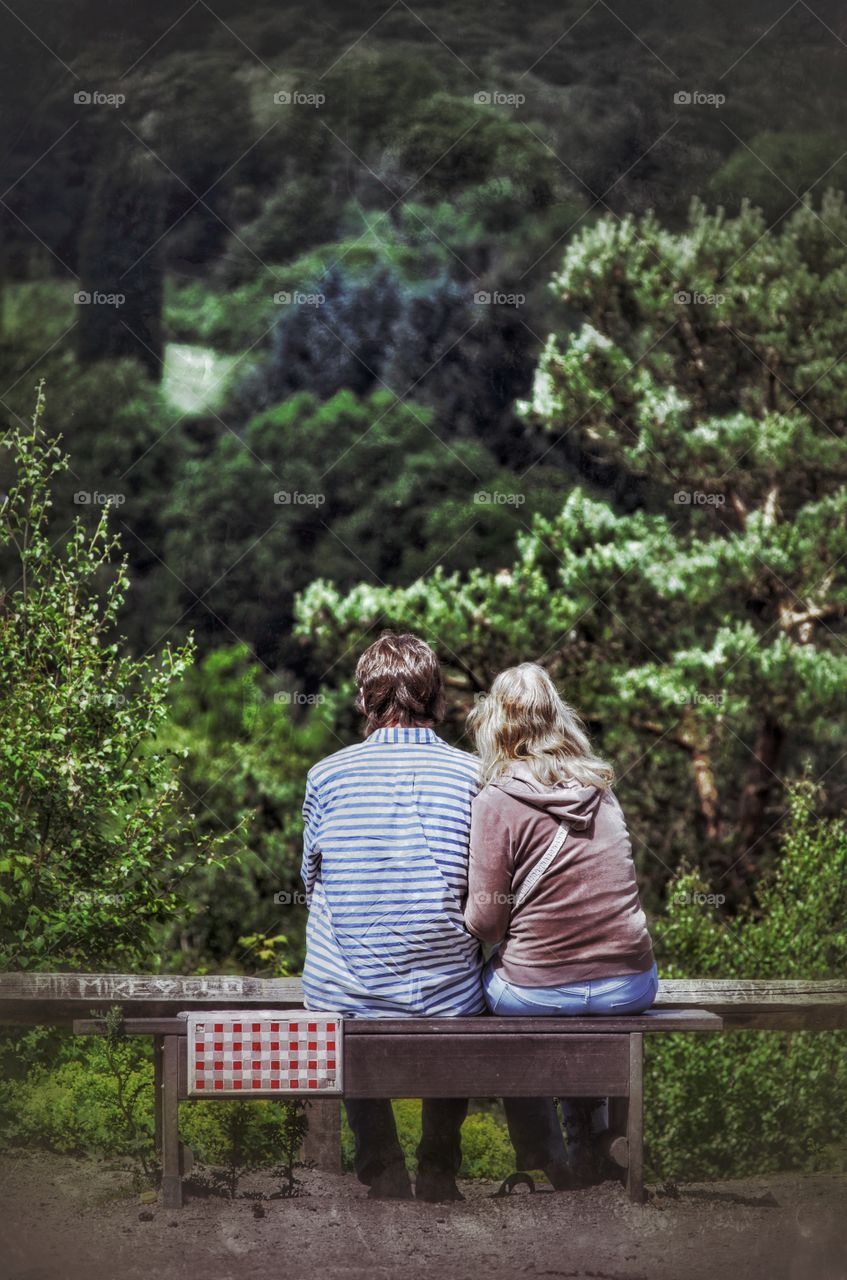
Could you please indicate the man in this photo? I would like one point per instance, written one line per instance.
(385, 855)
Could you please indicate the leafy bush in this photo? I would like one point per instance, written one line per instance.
(72, 1105)
(78, 1104)
(94, 832)
(752, 1102)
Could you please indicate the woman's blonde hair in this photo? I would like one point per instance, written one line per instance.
(525, 718)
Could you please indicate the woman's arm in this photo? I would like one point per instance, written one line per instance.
(489, 905)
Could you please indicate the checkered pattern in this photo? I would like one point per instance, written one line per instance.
(237, 1053)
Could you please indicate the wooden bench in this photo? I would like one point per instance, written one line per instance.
(484, 1056)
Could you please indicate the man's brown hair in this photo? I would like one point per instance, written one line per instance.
(399, 682)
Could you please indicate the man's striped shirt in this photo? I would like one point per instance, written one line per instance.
(385, 865)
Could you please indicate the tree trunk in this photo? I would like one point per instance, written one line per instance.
(759, 781)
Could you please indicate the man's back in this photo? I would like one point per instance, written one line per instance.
(385, 865)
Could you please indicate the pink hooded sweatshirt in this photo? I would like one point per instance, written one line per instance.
(583, 918)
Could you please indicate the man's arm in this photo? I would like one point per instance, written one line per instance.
(489, 906)
(310, 865)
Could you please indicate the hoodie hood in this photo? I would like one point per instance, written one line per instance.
(570, 802)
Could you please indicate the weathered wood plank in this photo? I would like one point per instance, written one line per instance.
(485, 1024)
(485, 1066)
(33, 998)
(490, 1024)
(729, 993)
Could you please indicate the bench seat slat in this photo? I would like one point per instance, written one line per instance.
(484, 1025)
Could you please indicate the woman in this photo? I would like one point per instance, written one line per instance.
(552, 881)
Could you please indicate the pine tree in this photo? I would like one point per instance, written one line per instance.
(703, 636)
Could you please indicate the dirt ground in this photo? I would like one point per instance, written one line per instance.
(64, 1219)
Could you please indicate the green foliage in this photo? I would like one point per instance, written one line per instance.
(93, 828)
(279, 512)
(247, 745)
(725, 418)
(773, 170)
(74, 1104)
(96, 1098)
(752, 1102)
(121, 1063)
(236, 1138)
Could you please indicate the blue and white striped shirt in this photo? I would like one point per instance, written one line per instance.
(385, 865)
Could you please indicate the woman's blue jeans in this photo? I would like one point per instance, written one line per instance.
(534, 1126)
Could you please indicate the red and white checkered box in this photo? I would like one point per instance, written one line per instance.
(236, 1053)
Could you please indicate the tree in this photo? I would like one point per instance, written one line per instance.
(710, 625)
(351, 488)
(95, 836)
(774, 169)
(120, 300)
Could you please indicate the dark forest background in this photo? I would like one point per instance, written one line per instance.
(385, 329)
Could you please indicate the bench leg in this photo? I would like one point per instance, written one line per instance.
(322, 1143)
(158, 1057)
(617, 1147)
(171, 1156)
(635, 1120)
